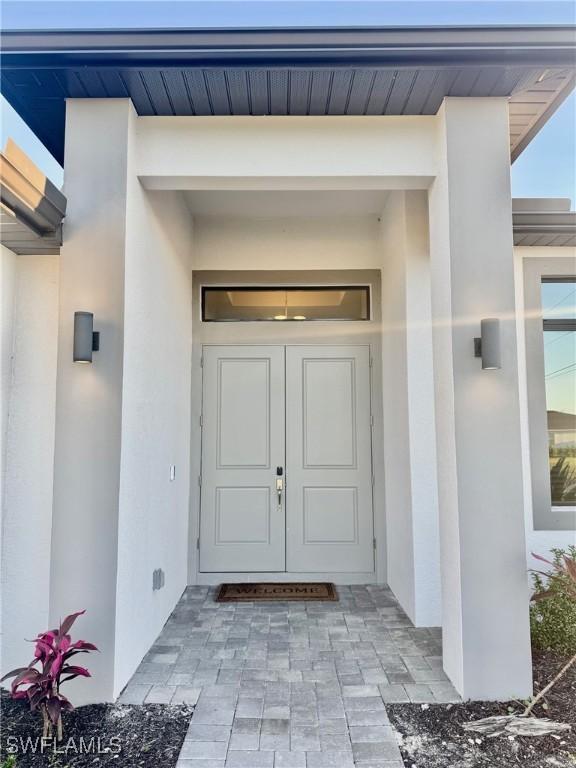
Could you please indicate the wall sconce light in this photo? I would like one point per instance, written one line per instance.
(487, 346)
(86, 339)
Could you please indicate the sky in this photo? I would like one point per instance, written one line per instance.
(547, 168)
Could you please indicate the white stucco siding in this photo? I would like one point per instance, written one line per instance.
(29, 348)
(153, 510)
(274, 152)
(7, 292)
(324, 242)
(408, 397)
(483, 551)
(89, 397)
(537, 541)
(400, 543)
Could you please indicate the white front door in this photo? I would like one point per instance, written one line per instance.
(242, 525)
(329, 460)
(306, 410)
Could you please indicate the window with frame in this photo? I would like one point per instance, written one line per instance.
(285, 303)
(558, 300)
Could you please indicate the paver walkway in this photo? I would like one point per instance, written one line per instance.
(292, 684)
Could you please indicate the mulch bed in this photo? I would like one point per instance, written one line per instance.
(97, 736)
(433, 737)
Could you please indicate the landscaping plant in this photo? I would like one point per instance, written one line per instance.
(563, 480)
(553, 609)
(41, 685)
(559, 623)
(553, 622)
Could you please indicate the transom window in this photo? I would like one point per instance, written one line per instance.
(559, 320)
(285, 303)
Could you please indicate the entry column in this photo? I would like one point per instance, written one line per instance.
(483, 560)
(84, 556)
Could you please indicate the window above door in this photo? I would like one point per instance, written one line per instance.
(285, 303)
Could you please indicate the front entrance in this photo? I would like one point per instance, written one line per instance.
(286, 459)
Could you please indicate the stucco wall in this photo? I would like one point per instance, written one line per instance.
(89, 397)
(153, 510)
(408, 398)
(400, 555)
(7, 293)
(538, 541)
(324, 242)
(30, 331)
(279, 152)
(481, 501)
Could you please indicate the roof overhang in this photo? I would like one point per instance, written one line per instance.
(543, 222)
(392, 71)
(32, 209)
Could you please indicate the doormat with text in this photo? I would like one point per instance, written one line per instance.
(229, 593)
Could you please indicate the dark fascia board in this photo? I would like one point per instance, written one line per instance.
(552, 46)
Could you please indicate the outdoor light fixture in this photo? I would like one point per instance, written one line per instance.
(86, 339)
(487, 346)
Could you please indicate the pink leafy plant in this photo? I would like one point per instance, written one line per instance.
(39, 683)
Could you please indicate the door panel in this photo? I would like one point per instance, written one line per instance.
(329, 459)
(242, 525)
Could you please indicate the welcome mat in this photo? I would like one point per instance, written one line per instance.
(230, 593)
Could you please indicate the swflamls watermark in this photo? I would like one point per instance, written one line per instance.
(18, 745)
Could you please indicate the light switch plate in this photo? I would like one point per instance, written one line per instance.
(172, 472)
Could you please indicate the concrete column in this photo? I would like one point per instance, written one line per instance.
(483, 559)
(89, 397)
(408, 400)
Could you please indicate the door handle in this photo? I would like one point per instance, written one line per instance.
(279, 484)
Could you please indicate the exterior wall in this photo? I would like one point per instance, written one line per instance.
(7, 292)
(408, 395)
(153, 511)
(486, 638)
(538, 541)
(89, 397)
(29, 346)
(327, 152)
(125, 258)
(323, 242)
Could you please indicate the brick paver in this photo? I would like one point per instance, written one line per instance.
(291, 685)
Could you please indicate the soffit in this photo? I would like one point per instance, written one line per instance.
(395, 71)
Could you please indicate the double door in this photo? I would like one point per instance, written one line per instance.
(286, 459)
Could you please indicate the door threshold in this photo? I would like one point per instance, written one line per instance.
(212, 579)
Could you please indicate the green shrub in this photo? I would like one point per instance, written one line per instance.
(553, 620)
(10, 762)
